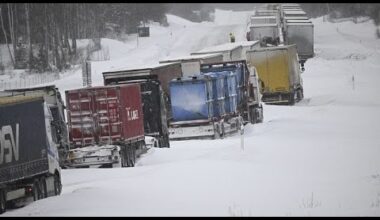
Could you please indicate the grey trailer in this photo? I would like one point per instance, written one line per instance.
(295, 18)
(265, 12)
(29, 167)
(54, 101)
(230, 51)
(301, 33)
(268, 33)
(297, 13)
(273, 19)
(191, 64)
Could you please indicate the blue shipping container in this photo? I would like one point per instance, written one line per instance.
(218, 93)
(191, 99)
(240, 81)
(230, 83)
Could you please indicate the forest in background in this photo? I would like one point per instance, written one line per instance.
(43, 36)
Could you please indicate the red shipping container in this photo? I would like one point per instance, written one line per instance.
(105, 115)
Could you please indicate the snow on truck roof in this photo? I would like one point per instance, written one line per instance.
(263, 17)
(296, 17)
(295, 12)
(273, 48)
(264, 25)
(219, 48)
(226, 47)
(134, 68)
(190, 57)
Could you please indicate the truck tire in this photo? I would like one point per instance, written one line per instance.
(252, 115)
(217, 134)
(261, 119)
(131, 152)
(122, 158)
(43, 186)
(292, 98)
(36, 190)
(164, 141)
(223, 131)
(57, 185)
(3, 202)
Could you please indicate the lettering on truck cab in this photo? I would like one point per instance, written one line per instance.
(132, 114)
(8, 141)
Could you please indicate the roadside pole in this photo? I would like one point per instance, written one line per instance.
(241, 128)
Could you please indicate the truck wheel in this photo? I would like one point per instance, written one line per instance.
(133, 157)
(222, 131)
(292, 98)
(36, 190)
(167, 142)
(130, 156)
(164, 141)
(122, 158)
(261, 119)
(43, 188)
(252, 115)
(217, 131)
(57, 185)
(3, 202)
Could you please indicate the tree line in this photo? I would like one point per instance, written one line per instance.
(43, 36)
(342, 10)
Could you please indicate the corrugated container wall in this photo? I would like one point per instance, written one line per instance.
(105, 115)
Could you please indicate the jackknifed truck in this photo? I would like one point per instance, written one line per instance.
(29, 163)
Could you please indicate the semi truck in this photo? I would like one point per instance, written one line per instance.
(279, 73)
(214, 103)
(54, 101)
(106, 127)
(29, 163)
(154, 81)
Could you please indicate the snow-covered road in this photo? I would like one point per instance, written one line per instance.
(319, 157)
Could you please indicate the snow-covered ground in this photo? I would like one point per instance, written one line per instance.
(317, 158)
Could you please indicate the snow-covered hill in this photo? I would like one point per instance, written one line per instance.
(318, 158)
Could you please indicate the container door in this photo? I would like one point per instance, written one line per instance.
(81, 107)
(107, 115)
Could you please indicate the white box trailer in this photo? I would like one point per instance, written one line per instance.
(265, 12)
(296, 18)
(272, 19)
(301, 33)
(230, 51)
(298, 13)
(191, 65)
(260, 31)
(290, 5)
